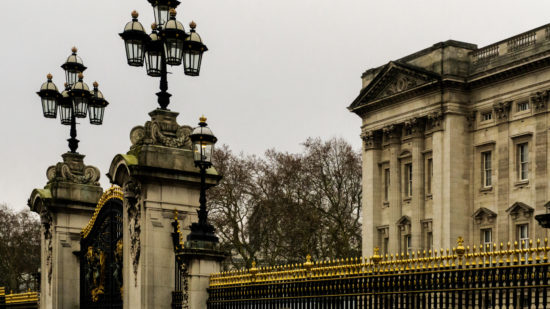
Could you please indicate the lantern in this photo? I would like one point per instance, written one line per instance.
(80, 94)
(96, 107)
(192, 52)
(203, 143)
(73, 66)
(174, 36)
(49, 95)
(135, 38)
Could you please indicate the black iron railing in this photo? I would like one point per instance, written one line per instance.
(484, 277)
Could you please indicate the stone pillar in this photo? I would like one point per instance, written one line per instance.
(436, 128)
(158, 177)
(392, 136)
(503, 144)
(417, 199)
(371, 190)
(65, 205)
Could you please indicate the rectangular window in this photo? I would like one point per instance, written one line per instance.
(486, 116)
(486, 237)
(523, 161)
(408, 179)
(487, 169)
(386, 184)
(522, 234)
(408, 245)
(430, 173)
(385, 245)
(523, 106)
(430, 241)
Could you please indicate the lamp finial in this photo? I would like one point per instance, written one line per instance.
(193, 25)
(49, 76)
(135, 14)
(74, 49)
(202, 119)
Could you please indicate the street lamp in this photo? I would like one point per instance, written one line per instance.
(168, 44)
(76, 101)
(203, 146)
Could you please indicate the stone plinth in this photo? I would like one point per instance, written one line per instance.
(65, 205)
(158, 177)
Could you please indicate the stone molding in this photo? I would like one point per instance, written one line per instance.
(519, 208)
(162, 130)
(484, 215)
(392, 133)
(73, 170)
(435, 121)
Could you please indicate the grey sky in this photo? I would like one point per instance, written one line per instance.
(276, 73)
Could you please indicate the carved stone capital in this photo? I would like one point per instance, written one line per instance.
(392, 133)
(72, 169)
(413, 126)
(371, 139)
(539, 101)
(502, 110)
(46, 229)
(435, 121)
(162, 130)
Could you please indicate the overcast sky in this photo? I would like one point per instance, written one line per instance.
(276, 71)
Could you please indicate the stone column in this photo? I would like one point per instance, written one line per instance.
(371, 190)
(158, 176)
(539, 104)
(435, 125)
(65, 205)
(503, 143)
(417, 199)
(392, 136)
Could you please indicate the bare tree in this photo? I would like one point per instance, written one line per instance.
(19, 249)
(280, 208)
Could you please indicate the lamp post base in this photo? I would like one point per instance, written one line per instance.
(202, 232)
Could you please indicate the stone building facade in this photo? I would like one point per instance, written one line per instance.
(455, 143)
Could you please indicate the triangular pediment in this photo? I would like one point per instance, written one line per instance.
(519, 207)
(393, 79)
(484, 212)
(404, 220)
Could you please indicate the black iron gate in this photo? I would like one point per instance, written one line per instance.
(101, 283)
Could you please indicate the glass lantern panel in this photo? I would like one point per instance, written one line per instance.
(153, 63)
(192, 63)
(71, 77)
(49, 107)
(207, 152)
(80, 106)
(174, 51)
(65, 112)
(96, 114)
(134, 52)
(161, 14)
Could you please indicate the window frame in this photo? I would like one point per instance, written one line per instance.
(522, 161)
(408, 179)
(487, 172)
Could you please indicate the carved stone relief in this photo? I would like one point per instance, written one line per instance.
(132, 204)
(72, 169)
(400, 84)
(162, 130)
(46, 221)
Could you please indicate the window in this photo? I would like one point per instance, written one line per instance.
(486, 167)
(408, 180)
(486, 116)
(523, 161)
(429, 241)
(430, 173)
(522, 234)
(385, 245)
(523, 106)
(486, 237)
(407, 242)
(386, 184)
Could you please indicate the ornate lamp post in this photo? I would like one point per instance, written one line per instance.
(76, 101)
(168, 44)
(203, 146)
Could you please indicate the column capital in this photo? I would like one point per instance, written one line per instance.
(539, 101)
(371, 139)
(435, 121)
(502, 111)
(392, 133)
(414, 126)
